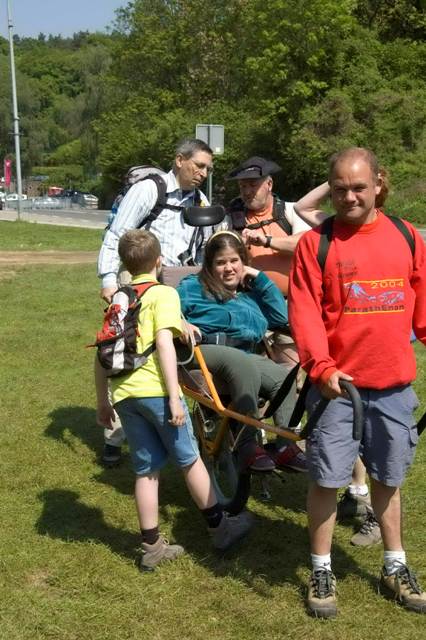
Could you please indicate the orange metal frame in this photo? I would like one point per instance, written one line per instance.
(215, 403)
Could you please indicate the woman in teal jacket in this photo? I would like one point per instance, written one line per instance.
(231, 305)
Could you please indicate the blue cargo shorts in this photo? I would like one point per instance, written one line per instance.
(388, 444)
(152, 439)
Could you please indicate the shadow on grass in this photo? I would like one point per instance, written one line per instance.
(64, 516)
(67, 423)
(275, 552)
(79, 422)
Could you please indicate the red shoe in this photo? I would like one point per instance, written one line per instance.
(291, 457)
(260, 462)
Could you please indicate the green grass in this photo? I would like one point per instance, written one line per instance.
(28, 236)
(68, 526)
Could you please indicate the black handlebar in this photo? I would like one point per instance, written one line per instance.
(358, 419)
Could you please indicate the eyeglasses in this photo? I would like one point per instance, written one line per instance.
(202, 166)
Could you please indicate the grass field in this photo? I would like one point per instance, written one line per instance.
(68, 527)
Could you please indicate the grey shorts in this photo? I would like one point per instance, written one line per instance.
(388, 444)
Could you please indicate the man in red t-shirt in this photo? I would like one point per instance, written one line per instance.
(352, 320)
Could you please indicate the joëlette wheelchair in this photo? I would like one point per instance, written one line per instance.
(213, 415)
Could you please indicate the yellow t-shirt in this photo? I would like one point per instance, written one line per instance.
(160, 310)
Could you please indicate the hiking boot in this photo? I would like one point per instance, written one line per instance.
(111, 456)
(369, 533)
(291, 457)
(153, 554)
(230, 530)
(321, 600)
(403, 586)
(353, 506)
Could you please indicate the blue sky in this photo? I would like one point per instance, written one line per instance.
(30, 17)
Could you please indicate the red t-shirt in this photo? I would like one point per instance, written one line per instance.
(357, 316)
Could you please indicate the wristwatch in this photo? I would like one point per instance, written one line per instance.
(268, 241)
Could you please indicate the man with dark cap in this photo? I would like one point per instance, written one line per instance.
(270, 226)
(271, 229)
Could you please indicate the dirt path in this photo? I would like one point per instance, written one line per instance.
(47, 257)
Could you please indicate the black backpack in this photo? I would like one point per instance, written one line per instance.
(238, 211)
(148, 172)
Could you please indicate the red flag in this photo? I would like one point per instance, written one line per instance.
(7, 171)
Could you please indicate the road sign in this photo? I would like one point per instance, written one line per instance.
(213, 135)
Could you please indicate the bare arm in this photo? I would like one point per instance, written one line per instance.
(308, 207)
(284, 244)
(167, 357)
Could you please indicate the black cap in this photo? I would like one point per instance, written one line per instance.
(254, 168)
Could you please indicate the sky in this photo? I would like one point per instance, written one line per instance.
(64, 17)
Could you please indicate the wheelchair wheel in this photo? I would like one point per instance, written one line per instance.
(232, 488)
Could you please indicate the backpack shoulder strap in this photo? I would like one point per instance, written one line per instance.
(236, 211)
(137, 291)
(278, 215)
(140, 289)
(326, 231)
(399, 224)
(161, 198)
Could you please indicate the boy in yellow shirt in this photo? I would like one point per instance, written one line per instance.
(154, 414)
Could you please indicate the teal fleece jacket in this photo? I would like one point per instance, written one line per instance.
(246, 317)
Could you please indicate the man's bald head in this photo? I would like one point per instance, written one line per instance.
(353, 154)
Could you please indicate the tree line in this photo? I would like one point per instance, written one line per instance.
(293, 80)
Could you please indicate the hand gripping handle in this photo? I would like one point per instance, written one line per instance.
(358, 419)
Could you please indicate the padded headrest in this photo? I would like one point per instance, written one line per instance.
(204, 216)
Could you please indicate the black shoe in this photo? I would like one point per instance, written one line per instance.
(111, 456)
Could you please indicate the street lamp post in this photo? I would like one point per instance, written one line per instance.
(15, 112)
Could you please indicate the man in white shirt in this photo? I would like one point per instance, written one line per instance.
(193, 161)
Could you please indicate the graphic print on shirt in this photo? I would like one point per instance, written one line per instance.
(375, 296)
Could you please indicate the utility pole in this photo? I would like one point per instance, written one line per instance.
(15, 112)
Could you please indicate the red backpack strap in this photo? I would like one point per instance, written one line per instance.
(142, 288)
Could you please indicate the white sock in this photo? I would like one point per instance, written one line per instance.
(321, 562)
(392, 561)
(358, 489)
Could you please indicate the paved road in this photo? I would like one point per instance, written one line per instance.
(89, 218)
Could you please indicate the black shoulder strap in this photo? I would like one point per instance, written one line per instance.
(236, 211)
(161, 199)
(282, 392)
(278, 214)
(405, 232)
(326, 231)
